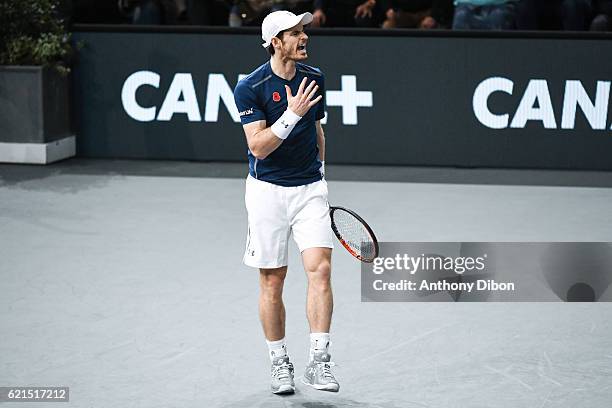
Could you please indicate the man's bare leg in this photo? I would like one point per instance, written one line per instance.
(271, 307)
(319, 308)
(272, 316)
(320, 301)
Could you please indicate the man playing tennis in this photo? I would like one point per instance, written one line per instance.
(281, 106)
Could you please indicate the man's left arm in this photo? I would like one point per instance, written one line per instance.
(320, 140)
(320, 114)
(321, 144)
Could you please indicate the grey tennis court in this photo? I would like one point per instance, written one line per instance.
(123, 280)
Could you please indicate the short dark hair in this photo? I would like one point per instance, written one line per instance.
(271, 47)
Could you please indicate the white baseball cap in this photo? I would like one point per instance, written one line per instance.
(278, 21)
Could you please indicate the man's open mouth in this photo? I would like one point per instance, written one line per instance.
(301, 47)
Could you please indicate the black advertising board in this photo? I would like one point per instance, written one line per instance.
(397, 100)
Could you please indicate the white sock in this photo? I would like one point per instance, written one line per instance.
(318, 342)
(277, 348)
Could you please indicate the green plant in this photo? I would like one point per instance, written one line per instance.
(32, 32)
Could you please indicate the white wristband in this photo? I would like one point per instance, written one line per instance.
(285, 124)
(322, 168)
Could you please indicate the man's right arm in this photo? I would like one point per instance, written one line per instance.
(260, 139)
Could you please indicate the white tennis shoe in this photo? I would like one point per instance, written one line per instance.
(282, 376)
(318, 373)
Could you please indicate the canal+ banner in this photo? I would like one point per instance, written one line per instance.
(396, 100)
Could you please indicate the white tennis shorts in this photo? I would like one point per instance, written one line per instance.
(275, 212)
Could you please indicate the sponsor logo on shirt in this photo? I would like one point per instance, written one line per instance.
(246, 112)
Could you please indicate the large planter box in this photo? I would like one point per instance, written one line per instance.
(34, 115)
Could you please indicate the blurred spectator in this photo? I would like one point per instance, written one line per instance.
(425, 14)
(252, 12)
(156, 12)
(485, 14)
(208, 12)
(570, 15)
(346, 13)
(299, 6)
(603, 16)
(94, 11)
(151, 12)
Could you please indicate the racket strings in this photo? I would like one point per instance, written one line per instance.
(355, 234)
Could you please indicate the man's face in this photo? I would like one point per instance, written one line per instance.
(293, 43)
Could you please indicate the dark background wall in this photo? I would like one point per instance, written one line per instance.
(421, 91)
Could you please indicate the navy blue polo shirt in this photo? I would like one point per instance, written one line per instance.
(262, 96)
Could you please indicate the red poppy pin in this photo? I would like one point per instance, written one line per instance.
(276, 97)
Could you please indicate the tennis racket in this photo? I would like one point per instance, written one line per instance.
(354, 234)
